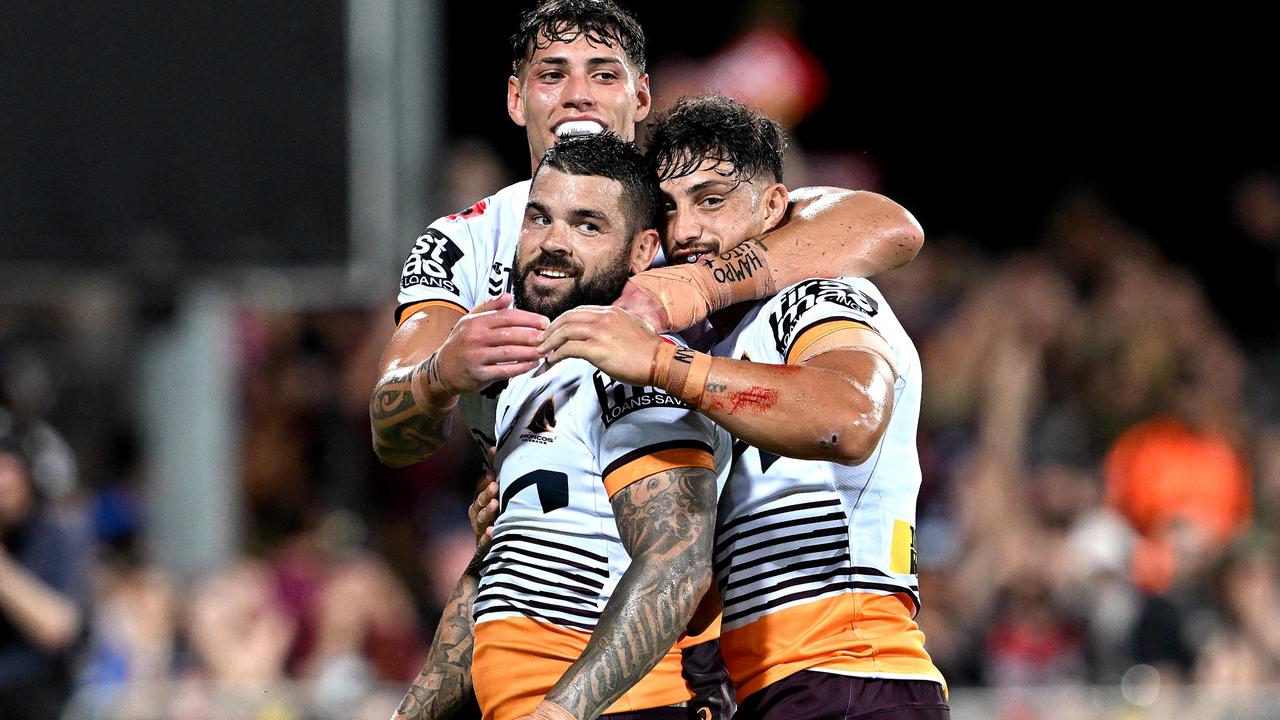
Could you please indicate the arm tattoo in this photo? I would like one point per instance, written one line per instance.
(667, 523)
(444, 683)
(402, 432)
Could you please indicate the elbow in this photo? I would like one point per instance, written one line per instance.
(904, 231)
(853, 442)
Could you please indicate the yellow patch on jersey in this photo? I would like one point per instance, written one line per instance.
(903, 550)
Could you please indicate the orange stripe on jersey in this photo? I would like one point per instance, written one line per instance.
(852, 634)
(518, 660)
(815, 333)
(642, 467)
(405, 312)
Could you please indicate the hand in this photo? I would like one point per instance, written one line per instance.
(492, 342)
(484, 511)
(642, 304)
(617, 342)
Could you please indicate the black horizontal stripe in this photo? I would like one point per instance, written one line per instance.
(864, 570)
(533, 614)
(656, 448)
(494, 557)
(819, 322)
(841, 545)
(486, 595)
(826, 577)
(775, 511)
(792, 568)
(405, 306)
(508, 570)
(537, 592)
(488, 570)
(815, 592)
(794, 522)
(841, 531)
(515, 537)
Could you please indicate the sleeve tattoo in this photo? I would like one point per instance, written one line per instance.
(444, 683)
(667, 523)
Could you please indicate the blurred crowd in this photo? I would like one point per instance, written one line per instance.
(1100, 442)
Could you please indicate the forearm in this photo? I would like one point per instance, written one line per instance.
(829, 232)
(444, 684)
(652, 604)
(410, 421)
(49, 618)
(807, 413)
(667, 524)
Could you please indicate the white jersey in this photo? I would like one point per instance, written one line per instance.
(569, 438)
(461, 261)
(815, 561)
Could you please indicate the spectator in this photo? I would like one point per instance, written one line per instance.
(41, 593)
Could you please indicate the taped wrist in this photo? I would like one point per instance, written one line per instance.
(548, 710)
(681, 372)
(422, 380)
(682, 296)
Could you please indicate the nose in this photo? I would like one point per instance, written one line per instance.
(577, 92)
(683, 228)
(555, 241)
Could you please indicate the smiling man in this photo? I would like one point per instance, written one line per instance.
(603, 549)
(820, 385)
(578, 66)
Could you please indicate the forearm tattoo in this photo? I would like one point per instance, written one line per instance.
(667, 523)
(444, 684)
(402, 432)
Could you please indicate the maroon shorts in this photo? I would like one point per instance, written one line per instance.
(811, 695)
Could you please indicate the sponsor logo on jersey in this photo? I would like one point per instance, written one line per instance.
(618, 400)
(543, 424)
(431, 262)
(807, 295)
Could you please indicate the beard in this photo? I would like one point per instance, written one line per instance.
(602, 289)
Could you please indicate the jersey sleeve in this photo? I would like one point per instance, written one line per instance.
(813, 309)
(448, 263)
(641, 431)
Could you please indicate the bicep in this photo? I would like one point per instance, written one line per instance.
(860, 355)
(667, 509)
(420, 333)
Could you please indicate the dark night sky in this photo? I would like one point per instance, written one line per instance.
(225, 124)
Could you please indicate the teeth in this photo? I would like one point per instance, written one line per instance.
(553, 274)
(579, 127)
(694, 258)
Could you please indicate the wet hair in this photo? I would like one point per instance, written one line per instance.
(609, 156)
(552, 21)
(740, 139)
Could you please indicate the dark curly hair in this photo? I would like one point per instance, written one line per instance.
(714, 127)
(602, 21)
(609, 156)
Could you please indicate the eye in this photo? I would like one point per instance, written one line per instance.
(551, 76)
(539, 219)
(606, 75)
(668, 207)
(711, 202)
(588, 228)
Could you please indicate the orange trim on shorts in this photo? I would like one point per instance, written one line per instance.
(860, 634)
(661, 461)
(819, 331)
(518, 660)
(415, 307)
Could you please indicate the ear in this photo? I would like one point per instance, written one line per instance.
(515, 100)
(774, 203)
(643, 98)
(643, 249)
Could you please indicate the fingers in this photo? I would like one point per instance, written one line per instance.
(484, 511)
(568, 333)
(498, 303)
